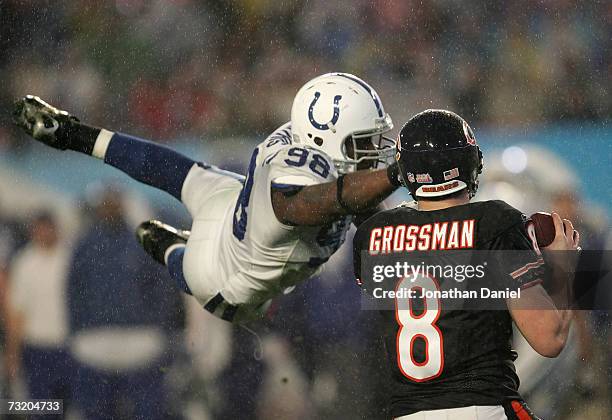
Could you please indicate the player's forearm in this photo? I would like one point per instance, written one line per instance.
(542, 324)
(560, 331)
(323, 203)
(364, 190)
(560, 291)
(548, 330)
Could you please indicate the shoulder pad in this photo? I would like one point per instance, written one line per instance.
(497, 216)
(300, 165)
(282, 136)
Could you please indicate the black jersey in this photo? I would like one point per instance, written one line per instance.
(446, 358)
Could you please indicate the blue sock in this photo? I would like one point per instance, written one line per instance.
(175, 267)
(149, 163)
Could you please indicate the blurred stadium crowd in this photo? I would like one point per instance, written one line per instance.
(118, 337)
(172, 69)
(92, 320)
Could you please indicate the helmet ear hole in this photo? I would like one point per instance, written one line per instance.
(318, 141)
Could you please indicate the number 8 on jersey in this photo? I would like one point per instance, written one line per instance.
(419, 326)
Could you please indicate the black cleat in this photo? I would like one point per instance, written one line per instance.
(42, 121)
(156, 237)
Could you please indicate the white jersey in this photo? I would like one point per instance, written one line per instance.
(255, 256)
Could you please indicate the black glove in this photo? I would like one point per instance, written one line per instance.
(44, 122)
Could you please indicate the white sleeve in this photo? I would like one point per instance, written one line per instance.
(295, 165)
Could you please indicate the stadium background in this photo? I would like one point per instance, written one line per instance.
(212, 78)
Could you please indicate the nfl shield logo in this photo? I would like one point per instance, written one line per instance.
(424, 178)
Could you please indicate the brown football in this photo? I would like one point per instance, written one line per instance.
(544, 228)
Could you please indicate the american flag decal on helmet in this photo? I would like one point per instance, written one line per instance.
(453, 173)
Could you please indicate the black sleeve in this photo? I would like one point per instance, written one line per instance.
(518, 257)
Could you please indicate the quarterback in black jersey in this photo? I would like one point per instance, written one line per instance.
(449, 362)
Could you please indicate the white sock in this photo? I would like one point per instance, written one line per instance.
(170, 249)
(101, 144)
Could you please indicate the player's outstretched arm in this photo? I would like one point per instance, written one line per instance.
(145, 161)
(319, 204)
(544, 316)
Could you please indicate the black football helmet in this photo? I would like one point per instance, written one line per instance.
(437, 155)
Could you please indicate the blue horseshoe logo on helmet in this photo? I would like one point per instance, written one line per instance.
(334, 119)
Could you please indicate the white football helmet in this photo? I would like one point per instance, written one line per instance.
(343, 116)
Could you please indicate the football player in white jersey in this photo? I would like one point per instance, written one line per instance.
(252, 237)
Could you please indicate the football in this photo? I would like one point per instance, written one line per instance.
(544, 228)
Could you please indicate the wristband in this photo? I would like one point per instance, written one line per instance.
(78, 137)
(339, 188)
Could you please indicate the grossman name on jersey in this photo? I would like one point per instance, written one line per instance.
(421, 293)
(428, 237)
